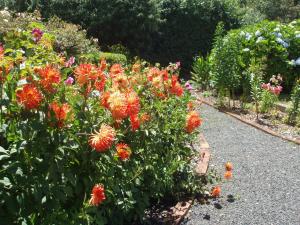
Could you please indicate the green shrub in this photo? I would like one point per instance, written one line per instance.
(275, 44)
(55, 146)
(200, 73)
(294, 111)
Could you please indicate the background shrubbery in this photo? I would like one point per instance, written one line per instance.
(274, 45)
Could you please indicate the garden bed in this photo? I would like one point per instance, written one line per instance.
(271, 123)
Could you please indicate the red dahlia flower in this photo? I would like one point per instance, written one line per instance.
(118, 105)
(103, 139)
(135, 122)
(29, 96)
(123, 151)
(192, 121)
(98, 195)
(133, 103)
(49, 77)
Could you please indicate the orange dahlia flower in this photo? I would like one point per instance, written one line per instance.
(228, 166)
(100, 81)
(133, 103)
(118, 105)
(103, 139)
(136, 67)
(103, 64)
(192, 121)
(121, 81)
(60, 111)
(216, 192)
(98, 195)
(190, 105)
(135, 122)
(153, 72)
(1, 52)
(115, 70)
(49, 77)
(228, 175)
(85, 72)
(123, 151)
(29, 96)
(104, 99)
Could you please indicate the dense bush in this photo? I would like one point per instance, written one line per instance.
(273, 44)
(88, 143)
(200, 73)
(160, 30)
(67, 38)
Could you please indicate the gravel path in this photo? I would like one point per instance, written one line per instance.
(266, 184)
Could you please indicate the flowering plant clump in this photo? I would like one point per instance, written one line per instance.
(270, 93)
(275, 45)
(85, 143)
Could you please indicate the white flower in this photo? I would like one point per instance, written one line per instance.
(22, 65)
(297, 62)
(246, 50)
(257, 33)
(22, 82)
(242, 33)
(260, 39)
(277, 29)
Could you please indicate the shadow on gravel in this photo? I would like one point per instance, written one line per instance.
(230, 198)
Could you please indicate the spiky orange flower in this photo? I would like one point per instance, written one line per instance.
(190, 105)
(61, 111)
(135, 122)
(136, 67)
(98, 195)
(103, 64)
(123, 151)
(50, 76)
(121, 81)
(175, 86)
(100, 81)
(104, 99)
(228, 175)
(153, 72)
(85, 72)
(228, 166)
(29, 96)
(216, 192)
(103, 139)
(192, 121)
(118, 105)
(115, 70)
(133, 103)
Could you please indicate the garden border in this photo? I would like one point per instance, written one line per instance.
(255, 125)
(181, 209)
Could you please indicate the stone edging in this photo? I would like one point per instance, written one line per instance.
(253, 124)
(182, 208)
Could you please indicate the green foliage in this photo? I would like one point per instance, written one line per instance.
(67, 38)
(294, 110)
(274, 44)
(200, 73)
(48, 166)
(268, 101)
(160, 30)
(225, 62)
(255, 84)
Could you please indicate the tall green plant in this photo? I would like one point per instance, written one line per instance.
(295, 109)
(200, 72)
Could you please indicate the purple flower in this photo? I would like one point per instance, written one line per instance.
(70, 62)
(37, 34)
(188, 86)
(69, 81)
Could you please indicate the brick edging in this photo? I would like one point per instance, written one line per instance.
(253, 124)
(182, 208)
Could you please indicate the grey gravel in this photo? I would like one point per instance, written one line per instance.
(266, 183)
